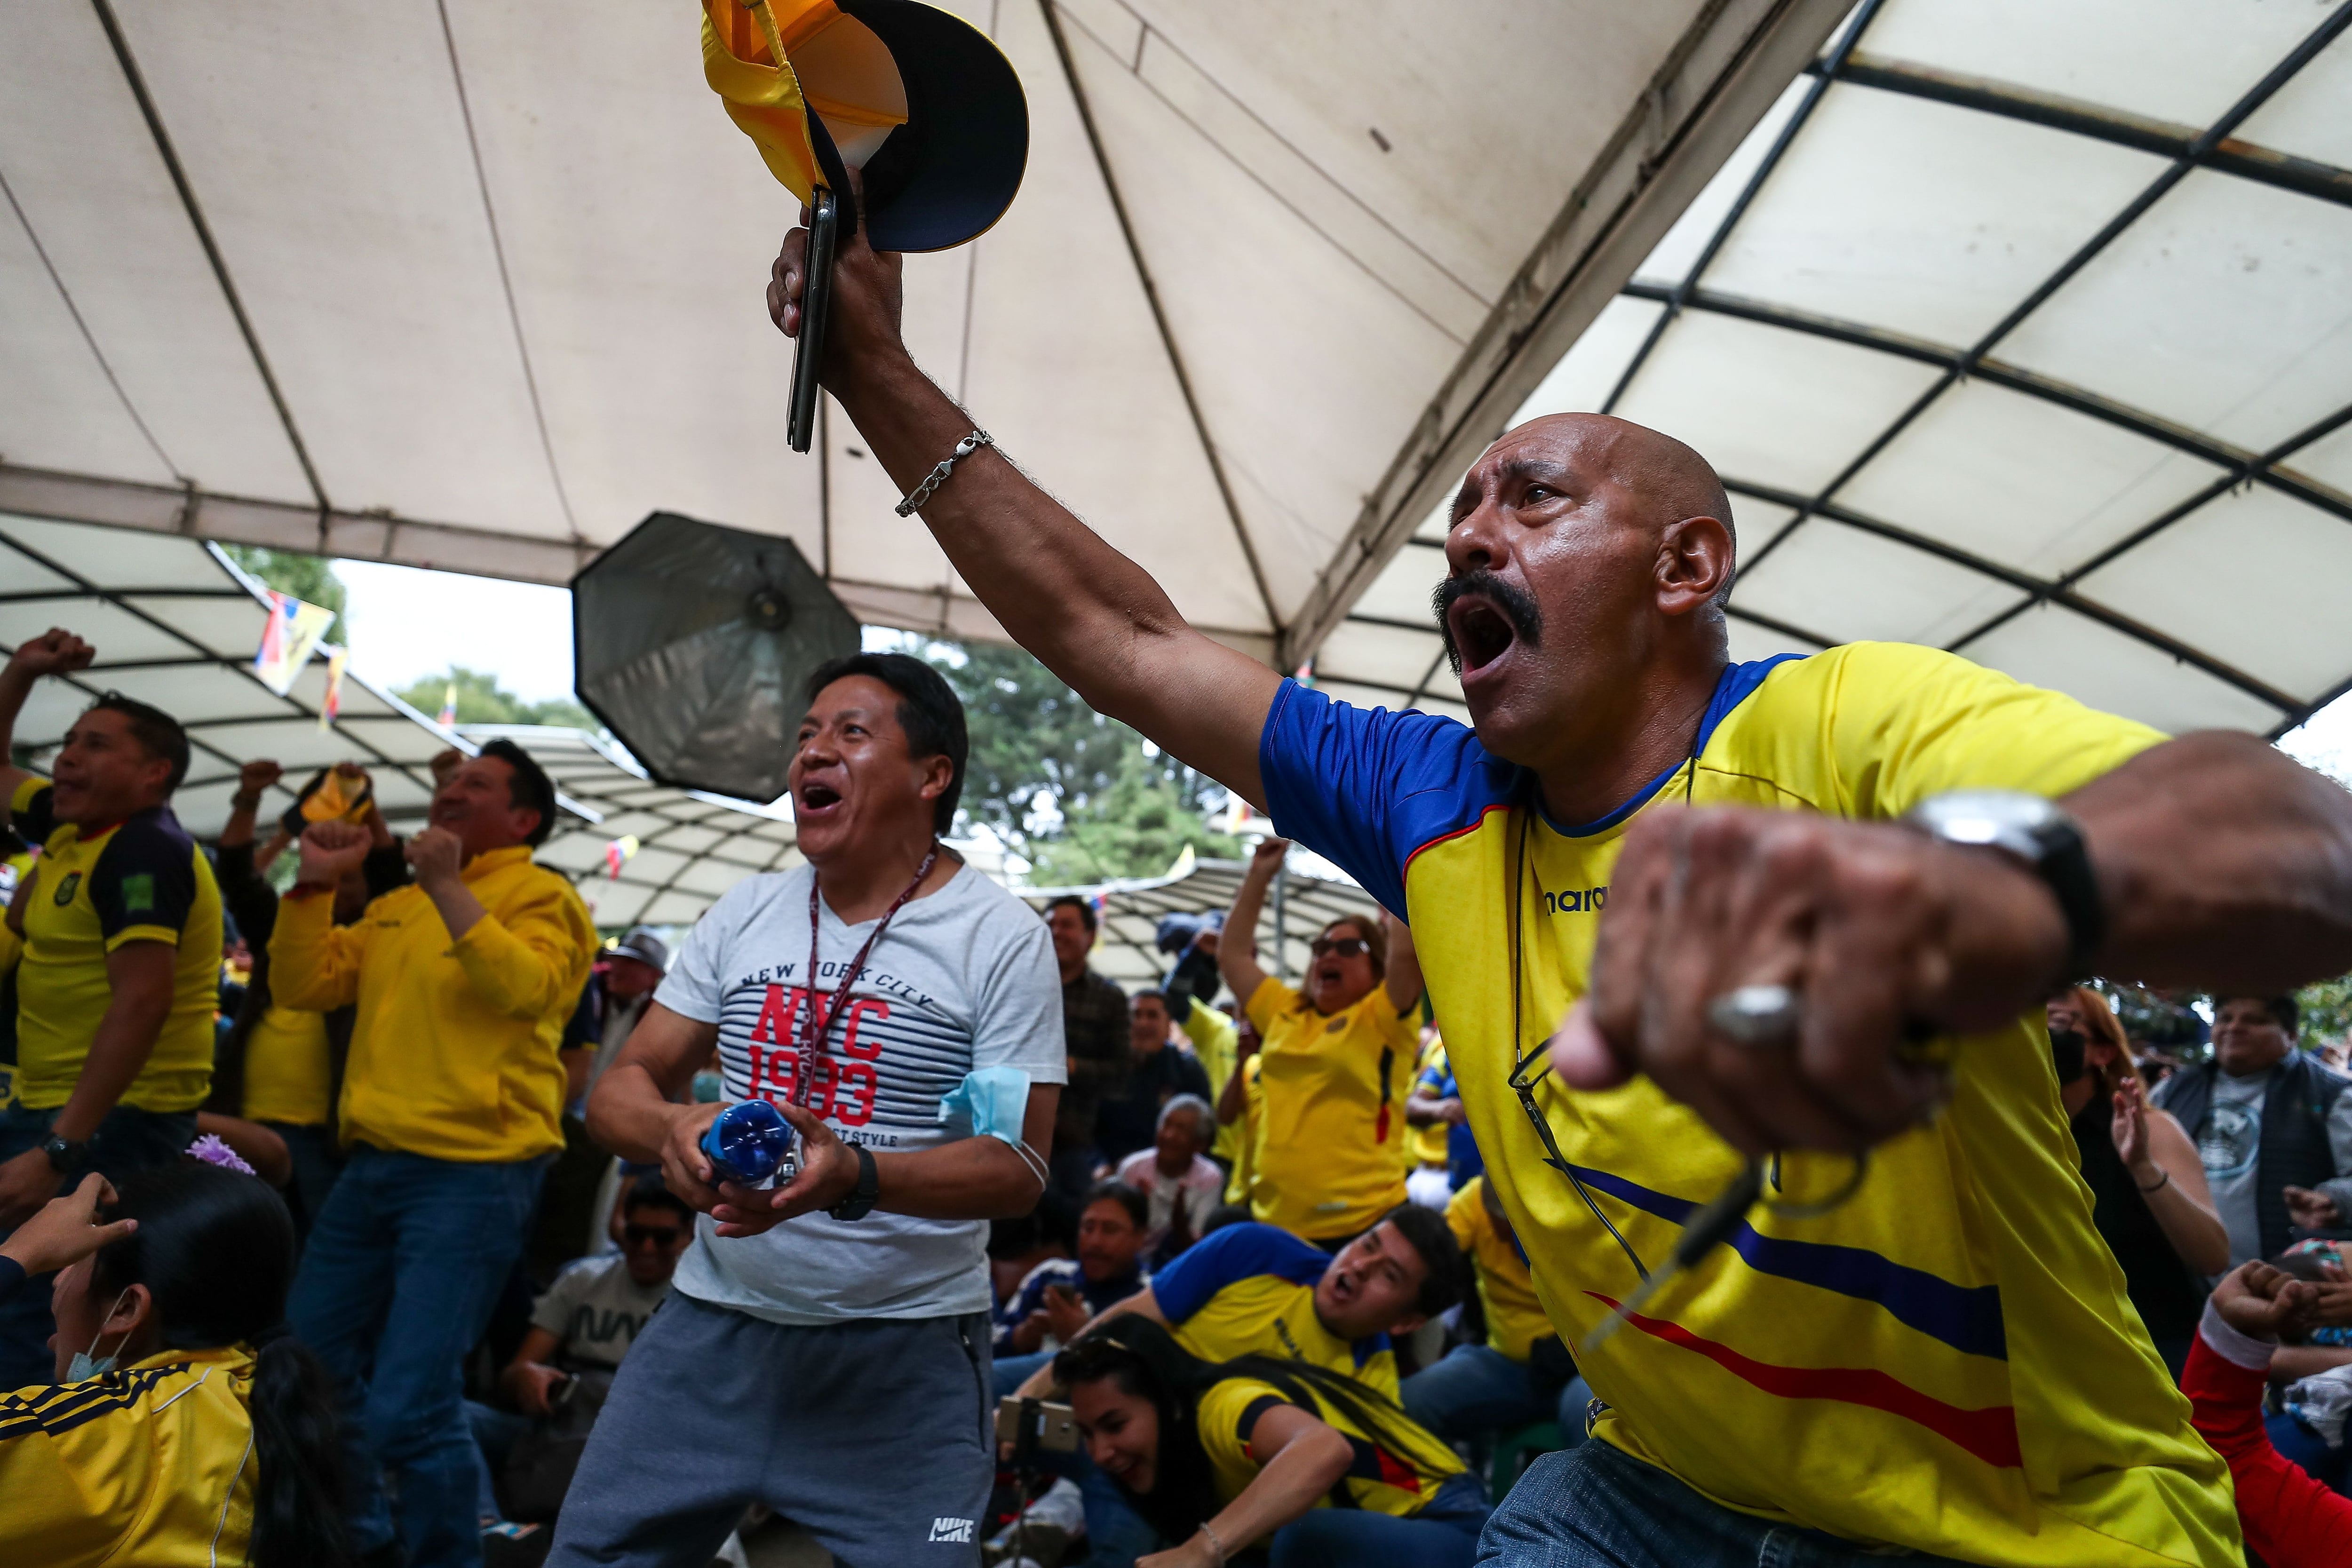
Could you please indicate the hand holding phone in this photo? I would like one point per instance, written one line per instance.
(816, 298)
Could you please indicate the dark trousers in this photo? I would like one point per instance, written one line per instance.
(401, 1268)
(129, 1140)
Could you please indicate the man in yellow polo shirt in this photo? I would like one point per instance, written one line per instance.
(118, 931)
(451, 1104)
(1330, 1147)
(1889, 842)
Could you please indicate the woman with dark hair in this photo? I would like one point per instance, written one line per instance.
(185, 1426)
(2148, 1194)
(1329, 1144)
(1219, 1457)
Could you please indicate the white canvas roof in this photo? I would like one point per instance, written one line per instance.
(176, 625)
(480, 285)
(1131, 911)
(2017, 327)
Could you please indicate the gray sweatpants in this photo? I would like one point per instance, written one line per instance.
(874, 1437)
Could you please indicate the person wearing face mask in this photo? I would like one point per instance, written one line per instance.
(1219, 1458)
(1329, 1146)
(185, 1424)
(2149, 1196)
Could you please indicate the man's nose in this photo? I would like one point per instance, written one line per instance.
(1476, 543)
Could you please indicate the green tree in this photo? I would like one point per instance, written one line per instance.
(1081, 797)
(2327, 1012)
(311, 578)
(482, 700)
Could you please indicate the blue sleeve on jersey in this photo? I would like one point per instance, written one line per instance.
(1235, 1253)
(1364, 787)
(37, 818)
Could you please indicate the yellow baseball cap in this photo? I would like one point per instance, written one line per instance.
(921, 102)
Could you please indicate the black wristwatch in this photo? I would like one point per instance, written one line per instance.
(68, 1158)
(2049, 842)
(860, 1201)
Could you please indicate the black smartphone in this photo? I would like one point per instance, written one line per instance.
(816, 298)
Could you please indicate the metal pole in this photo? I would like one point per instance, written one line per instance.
(1281, 926)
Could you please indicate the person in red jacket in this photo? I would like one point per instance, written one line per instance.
(2290, 1520)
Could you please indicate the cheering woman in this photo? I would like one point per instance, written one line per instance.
(1218, 1457)
(185, 1427)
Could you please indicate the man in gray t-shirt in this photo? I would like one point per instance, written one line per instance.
(824, 1346)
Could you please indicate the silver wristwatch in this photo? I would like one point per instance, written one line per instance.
(2037, 832)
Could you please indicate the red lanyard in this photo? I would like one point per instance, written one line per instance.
(817, 1020)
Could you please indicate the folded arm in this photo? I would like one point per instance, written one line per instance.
(1093, 616)
(526, 960)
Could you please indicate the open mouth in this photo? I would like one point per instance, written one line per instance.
(818, 798)
(1329, 974)
(1482, 632)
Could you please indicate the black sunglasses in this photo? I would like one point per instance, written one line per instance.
(638, 1234)
(1344, 946)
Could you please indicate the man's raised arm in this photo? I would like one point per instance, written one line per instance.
(1093, 616)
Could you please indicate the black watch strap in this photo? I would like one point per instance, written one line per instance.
(2064, 864)
(2039, 833)
(68, 1158)
(860, 1201)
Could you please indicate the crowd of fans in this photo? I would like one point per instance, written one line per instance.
(315, 1162)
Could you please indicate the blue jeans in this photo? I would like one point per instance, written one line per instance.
(1598, 1507)
(496, 1432)
(1116, 1534)
(316, 1163)
(1477, 1391)
(1443, 1534)
(129, 1140)
(402, 1266)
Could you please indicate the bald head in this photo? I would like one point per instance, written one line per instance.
(1588, 558)
(1669, 481)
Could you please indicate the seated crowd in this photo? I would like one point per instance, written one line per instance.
(315, 1169)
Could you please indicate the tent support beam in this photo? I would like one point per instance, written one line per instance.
(203, 232)
(1159, 319)
(1719, 80)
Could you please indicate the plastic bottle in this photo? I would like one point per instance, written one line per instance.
(751, 1143)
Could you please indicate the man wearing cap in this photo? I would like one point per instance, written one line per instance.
(1750, 891)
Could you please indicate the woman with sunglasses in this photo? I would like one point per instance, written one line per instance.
(1221, 1459)
(1329, 1144)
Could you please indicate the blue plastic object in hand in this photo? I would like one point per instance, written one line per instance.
(751, 1143)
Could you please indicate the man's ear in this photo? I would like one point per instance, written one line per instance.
(138, 1309)
(939, 773)
(1407, 1325)
(1695, 561)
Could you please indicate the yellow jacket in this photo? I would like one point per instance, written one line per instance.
(454, 1048)
(151, 1464)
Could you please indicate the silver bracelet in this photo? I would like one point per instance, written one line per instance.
(939, 475)
(1215, 1545)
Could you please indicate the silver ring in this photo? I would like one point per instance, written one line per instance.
(1757, 1015)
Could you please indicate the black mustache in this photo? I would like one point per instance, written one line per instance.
(1519, 607)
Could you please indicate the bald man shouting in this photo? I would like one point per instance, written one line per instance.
(1771, 921)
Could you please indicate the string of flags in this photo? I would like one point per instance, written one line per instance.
(289, 637)
(618, 854)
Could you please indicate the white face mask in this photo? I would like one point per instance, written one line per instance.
(85, 1365)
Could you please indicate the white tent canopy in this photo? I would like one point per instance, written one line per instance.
(174, 625)
(480, 286)
(691, 847)
(2017, 327)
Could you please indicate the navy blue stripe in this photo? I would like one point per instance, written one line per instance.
(1734, 686)
(1967, 1317)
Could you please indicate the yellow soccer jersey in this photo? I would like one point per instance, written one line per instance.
(288, 1068)
(1381, 1480)
(151, 1464)
(1216, 1042)
(1947, 1362)
(141, 880)
(1329, 1151)
(1249, 1289)
(1237, 1186)
(1515, 1318)
(1429, 1142)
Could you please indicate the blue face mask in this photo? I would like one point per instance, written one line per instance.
(84, 1364)
(709, 1088)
